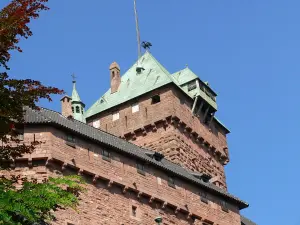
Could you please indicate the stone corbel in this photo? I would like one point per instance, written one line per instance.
(80, 172)
(177, 210)
(48, 161)
(151, 199)
(164, 205)
(139, 195)
(64, 166)
(110, 183)
(144, 132)
(125, 189)
(95, 178)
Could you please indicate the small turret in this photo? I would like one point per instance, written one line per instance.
(77, 105)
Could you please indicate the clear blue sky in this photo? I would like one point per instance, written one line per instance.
(248, 50)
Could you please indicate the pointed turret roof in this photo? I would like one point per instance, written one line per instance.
(75, 95)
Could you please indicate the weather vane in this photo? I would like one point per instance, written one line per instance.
(73, 77)
(146, 45)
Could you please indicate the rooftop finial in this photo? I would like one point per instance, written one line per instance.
(73, 77)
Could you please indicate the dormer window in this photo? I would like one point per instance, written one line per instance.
(203, 197)
(155, 99)
(140, 168)
(224, 206)
(106, 155)
(171, 182)
(70, 140)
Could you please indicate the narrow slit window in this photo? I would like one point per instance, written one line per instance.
(133, 211)
(155, 99)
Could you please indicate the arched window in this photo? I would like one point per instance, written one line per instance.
(77, 109)
(72, 109)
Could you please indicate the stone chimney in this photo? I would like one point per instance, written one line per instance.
(66, 106)
(115, 77)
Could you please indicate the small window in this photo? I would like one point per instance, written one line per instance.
(135, 108)
(72, 109)
(106, 155)
(116, 116)
(155, 99)
(192, 86)
(141, 168)
(81, 110)
(96, 124)
(224, 206)
(133, 211)
(113, 74)
(77, 109)
(203, 197)
(171, 182)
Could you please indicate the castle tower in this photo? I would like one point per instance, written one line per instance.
(169, 113)
(77, 105)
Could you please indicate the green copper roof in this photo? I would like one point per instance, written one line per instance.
(153, 76)
(75, 95)
(185, 76)
(134, 84)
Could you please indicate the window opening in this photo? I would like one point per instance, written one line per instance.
(155, 99)
(133, 211)
(72, 109)
(192, 86)
(77, 109)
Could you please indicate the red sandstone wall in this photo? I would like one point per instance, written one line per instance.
(177, 145)
(108, 204)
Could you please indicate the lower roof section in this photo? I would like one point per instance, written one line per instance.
(46, 116)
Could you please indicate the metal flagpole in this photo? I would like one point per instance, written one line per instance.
(137, 30)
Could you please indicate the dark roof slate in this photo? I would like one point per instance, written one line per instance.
(46, 116)
(246, 221)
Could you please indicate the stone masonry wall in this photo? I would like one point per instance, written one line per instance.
(152, 126)
(115, 188)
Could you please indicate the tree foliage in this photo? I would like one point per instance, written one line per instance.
(32, 202)
(15, 93)
(35, 202)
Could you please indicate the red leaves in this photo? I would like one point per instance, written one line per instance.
(14, 20)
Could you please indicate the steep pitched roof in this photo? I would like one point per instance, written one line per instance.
(154, 76)
(45, 116)
(75, 95)
(134, 84)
